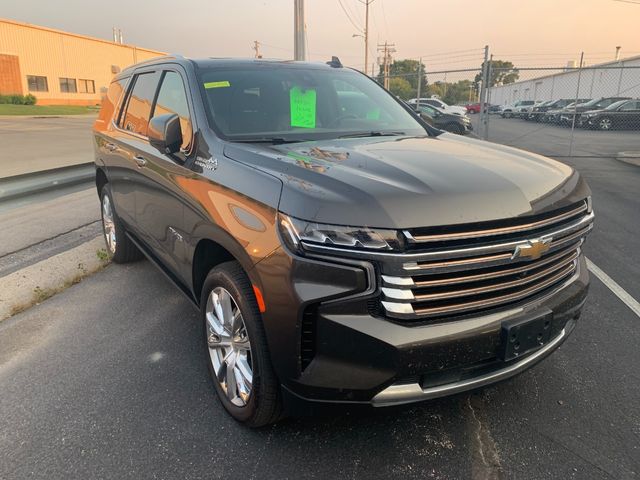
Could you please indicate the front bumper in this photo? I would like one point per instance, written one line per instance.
(329, 345)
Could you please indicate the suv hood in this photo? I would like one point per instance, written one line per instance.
(404, 182)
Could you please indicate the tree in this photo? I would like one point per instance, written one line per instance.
(502, 73)
(401, 87)
(408, 70)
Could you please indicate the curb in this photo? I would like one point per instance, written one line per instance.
(29, 183)
(632, 158)
(35, 283)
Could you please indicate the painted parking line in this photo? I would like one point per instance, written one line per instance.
(619, 292)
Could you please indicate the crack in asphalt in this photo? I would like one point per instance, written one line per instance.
(485, 463)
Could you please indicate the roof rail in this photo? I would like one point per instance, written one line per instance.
(151, 61)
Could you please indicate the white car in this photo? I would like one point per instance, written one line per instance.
(517, 108)
(439, 104)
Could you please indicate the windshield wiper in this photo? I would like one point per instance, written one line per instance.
(271, 140)
(371, 134)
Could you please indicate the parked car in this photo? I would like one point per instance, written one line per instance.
(524, 111)
(459, 124)
(538, 111)
(566, 115)
(436, 102)
(550, 113)
(516, 108)
(624, 114)
(532, 112)
(475, 107)
(336, 254)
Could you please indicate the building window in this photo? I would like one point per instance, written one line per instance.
(37, 84)
(86, 86)
(68, 85)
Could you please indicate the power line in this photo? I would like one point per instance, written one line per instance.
(475, 50)
(384, 16)
(349, 16)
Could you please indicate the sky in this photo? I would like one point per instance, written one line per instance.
(447, 34)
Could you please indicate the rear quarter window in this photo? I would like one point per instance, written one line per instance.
(135, 118)
(111, 100)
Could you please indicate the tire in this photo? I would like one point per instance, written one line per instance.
(455, 128)
(120, 248)
(605, 123)
(234, 332)
(507, 115)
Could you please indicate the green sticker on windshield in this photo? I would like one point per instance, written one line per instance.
(302, 104)
(373, 114)
(224, 83)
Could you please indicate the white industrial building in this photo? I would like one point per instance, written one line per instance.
(611, 79)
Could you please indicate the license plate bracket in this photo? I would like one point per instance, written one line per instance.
(524, 335)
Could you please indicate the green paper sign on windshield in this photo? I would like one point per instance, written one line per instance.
(303, 107)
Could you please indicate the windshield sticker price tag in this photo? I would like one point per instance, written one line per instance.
(373, 114)
(224, 83)
(302, 104)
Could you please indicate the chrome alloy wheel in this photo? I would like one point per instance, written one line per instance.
(605, 124)
(108, 224)
(229, 346)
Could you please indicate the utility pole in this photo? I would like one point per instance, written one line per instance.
(299, 41)
(483, 91)
(366, 33)
(386, 49)
(256, 48)
(419, 79)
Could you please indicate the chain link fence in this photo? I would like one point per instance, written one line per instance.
(590, 111)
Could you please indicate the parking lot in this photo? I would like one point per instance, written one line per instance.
(555, 141)
(108, 379)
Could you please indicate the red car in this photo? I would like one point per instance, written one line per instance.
(475, 107)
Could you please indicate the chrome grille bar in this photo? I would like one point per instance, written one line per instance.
(466, 306)
(447, 237)
(445, 280)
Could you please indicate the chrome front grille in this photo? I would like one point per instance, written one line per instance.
(457, 270)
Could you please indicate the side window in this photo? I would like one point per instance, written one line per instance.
(629, 106)
(110, 100)
(136, 117)
(172, 98)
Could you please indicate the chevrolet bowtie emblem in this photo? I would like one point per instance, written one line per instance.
(532, 249)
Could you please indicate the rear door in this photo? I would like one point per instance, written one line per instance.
(128, 136)
(159, 204)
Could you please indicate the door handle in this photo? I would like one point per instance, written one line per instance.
(141, 161)
(111, 146)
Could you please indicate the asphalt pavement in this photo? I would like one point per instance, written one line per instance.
(108, 380)
(32, 144)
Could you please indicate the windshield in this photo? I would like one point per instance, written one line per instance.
(293, 103)
(590, 102)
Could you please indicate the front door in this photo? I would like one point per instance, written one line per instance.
(159, 204)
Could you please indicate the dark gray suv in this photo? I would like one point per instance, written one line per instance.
(339, 249)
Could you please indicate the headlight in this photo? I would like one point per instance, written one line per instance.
(297, 232)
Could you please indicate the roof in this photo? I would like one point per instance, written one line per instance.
(613, 63)
(76, 35)
(228, 62)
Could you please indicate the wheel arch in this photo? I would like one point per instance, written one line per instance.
(210, 251)
(101, 179)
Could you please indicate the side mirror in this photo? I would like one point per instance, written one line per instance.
(164, 133)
